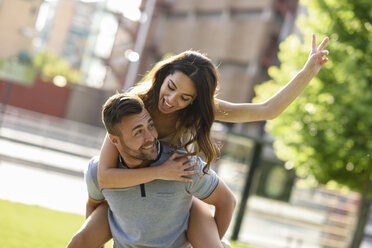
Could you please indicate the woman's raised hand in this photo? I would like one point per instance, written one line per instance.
(174, 168)
(317, 56)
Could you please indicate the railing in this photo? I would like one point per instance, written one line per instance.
(316, 217)
(50, 132)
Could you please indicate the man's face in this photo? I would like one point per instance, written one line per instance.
(137, 143)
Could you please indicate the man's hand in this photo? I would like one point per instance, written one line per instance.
(174, 168)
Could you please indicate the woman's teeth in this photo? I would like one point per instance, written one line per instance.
(167, 104)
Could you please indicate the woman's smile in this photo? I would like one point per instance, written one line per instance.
(176, 92)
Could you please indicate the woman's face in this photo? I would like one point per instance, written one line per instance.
(176, 92)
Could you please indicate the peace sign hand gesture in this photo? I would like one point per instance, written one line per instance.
(317, 56)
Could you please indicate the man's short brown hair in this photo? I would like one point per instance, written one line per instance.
(117, 107)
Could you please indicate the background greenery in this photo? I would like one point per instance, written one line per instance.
(326, 134)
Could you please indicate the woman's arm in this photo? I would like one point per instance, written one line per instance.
(271, 108)
(111, 177)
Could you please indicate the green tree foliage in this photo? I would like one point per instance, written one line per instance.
(50, 65)
(327, 131)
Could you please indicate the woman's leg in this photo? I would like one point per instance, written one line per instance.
(95, 231)
(202, 231)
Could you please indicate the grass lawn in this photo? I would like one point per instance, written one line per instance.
(32, 226)
(37, 227)
(238, 245)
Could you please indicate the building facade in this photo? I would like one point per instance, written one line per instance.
(17, 26)
(93, 37)
(240, 36)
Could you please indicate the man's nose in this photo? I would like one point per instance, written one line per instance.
(149, 136)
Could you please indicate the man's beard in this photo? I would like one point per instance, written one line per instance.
(141, 153)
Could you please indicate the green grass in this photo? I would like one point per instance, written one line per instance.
(239, 245)
(37, 227)
(32, 226)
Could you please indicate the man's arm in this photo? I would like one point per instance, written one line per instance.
(224, 201)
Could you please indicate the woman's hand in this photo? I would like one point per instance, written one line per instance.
(174, 168)
(317, 57)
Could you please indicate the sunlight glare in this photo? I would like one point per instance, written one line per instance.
(132, 56)
(129, 9)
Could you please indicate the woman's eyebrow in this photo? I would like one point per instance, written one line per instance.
(174, 85)
(188, 95)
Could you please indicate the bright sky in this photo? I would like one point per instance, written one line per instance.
(129, 9)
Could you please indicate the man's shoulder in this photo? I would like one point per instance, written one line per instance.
(200, 165)
(165, 153)
(91, 180)
(92, 167)
(168, 151)
(93, 162)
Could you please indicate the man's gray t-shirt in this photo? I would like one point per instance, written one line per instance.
(154, 214)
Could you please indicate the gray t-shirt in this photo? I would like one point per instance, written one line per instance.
(154, 214)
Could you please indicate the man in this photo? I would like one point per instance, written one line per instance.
(155, 214)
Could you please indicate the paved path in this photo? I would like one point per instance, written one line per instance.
(34, 170)
(42, 187)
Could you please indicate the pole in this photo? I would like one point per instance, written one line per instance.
(363, 211)
(255, 162)
(140, 44)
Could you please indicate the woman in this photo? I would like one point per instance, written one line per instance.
(182, 104)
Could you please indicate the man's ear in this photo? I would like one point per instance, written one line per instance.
(114, 139)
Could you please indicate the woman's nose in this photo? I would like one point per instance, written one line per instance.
(172, 99)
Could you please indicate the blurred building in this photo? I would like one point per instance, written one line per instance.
(17, 26)
(240, 36)
(67, 29)
(71, 30)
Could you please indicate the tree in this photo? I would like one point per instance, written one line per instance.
(327, 131)
(50, 65)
